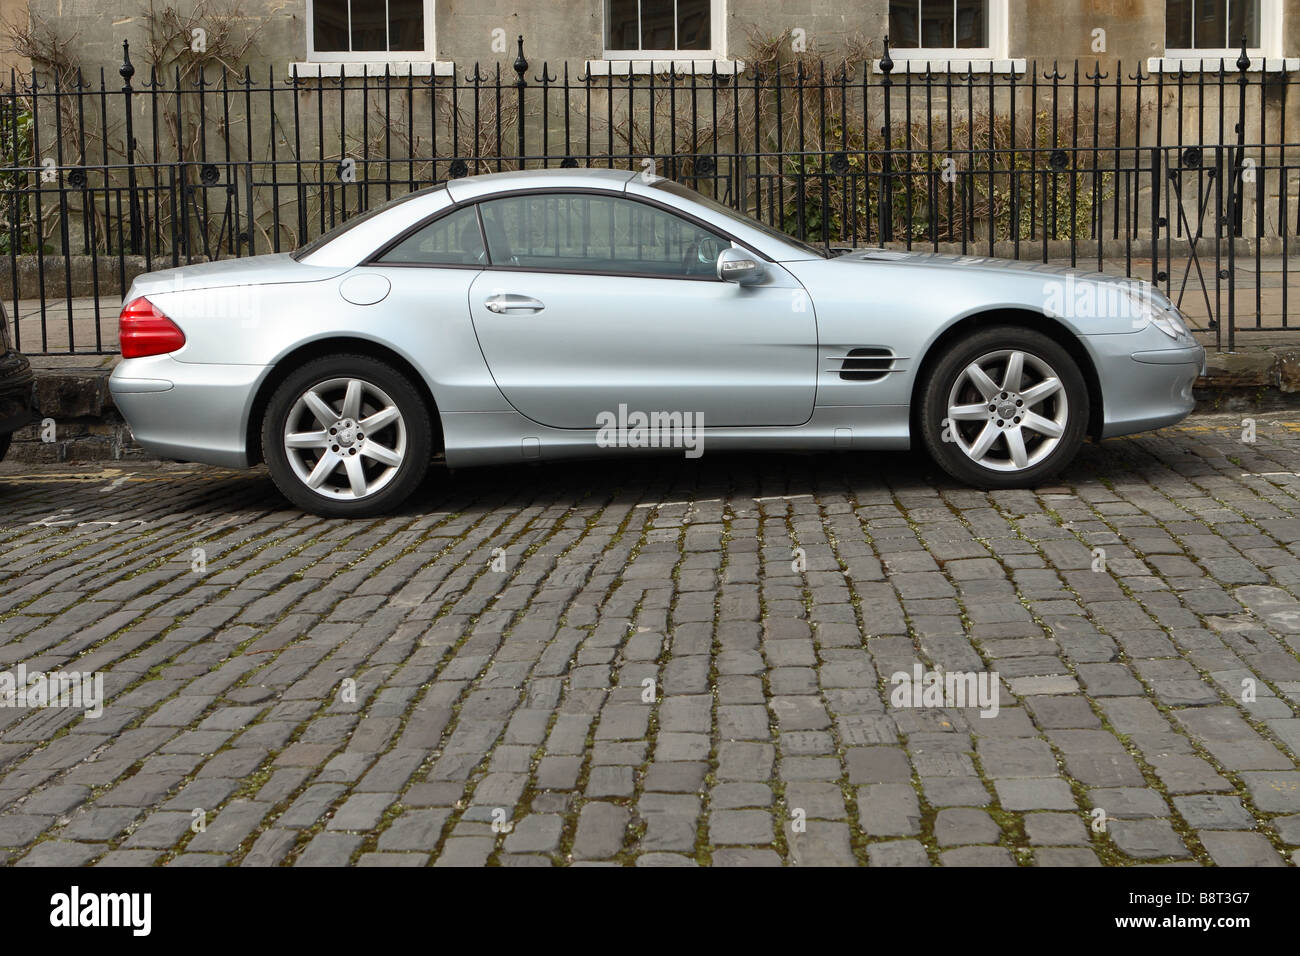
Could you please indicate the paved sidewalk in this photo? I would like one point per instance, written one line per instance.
(665, 662)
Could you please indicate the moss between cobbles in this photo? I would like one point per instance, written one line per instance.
(1010, 824)
(1112, 853)
(150, 541)
(271, 757)
(859, 840)
(153, 673)
(1103, 846)
(529, 792)
(370, 840)
(1179, 824)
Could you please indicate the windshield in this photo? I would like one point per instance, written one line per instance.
(677, 189)
(305, 250)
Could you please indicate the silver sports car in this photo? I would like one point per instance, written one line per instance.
(550, 314)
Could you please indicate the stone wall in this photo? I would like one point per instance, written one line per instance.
(571, 30)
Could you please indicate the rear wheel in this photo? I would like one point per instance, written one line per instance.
(4, 445)
(1007, 407)
(347, 436)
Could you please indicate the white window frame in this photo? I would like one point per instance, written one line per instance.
(331, 63)
(1267, 56)
(717, 40)
(995, 57)
(371, 56)
(1270, 28)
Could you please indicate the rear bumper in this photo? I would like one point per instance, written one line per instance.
(17, 399)
(187, 411)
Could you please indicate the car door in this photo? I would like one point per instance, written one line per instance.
(427, 273)
(593, 301)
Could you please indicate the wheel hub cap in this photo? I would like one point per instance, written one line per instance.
(345, 432)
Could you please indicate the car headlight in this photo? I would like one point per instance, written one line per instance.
(1152, 308)
(1172, 324)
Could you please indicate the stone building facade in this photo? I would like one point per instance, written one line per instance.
(429, 36)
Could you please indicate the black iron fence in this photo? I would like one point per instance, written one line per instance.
(1187, 179)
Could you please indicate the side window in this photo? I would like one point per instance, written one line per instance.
(451, 240)
(582, 232)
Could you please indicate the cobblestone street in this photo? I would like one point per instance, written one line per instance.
(665, 662)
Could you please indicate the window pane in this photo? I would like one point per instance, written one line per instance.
(330, 26)
(1178, 24)
(406, 25)
(658, 25)
(451, 240)
(339, 230)
(904, 29)
(693, 24)
(1243, 20)
(1211, 24)
(597, 234)
(972, 24)
(369, 26)
(621, 31)
(936, 23)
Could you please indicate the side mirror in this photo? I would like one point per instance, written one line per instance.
(739, 266)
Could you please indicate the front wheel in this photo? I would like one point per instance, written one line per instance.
(347, 436)
(1007, 407)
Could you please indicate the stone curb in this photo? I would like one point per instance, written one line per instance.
(87, 425)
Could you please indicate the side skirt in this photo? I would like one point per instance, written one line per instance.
(489, 438)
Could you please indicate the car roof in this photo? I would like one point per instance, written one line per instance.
(475, 187)
(354, 245)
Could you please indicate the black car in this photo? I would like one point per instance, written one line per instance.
(16, 405)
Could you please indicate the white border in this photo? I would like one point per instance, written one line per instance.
(371, 56)
(717, 36)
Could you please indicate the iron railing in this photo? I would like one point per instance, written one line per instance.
(1189, 180)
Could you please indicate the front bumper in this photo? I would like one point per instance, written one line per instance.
(1145, 384)
(187, 411)
(17, 397)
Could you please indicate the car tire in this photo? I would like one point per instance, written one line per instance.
(4, 445)
(1013, 426)
(315, 441)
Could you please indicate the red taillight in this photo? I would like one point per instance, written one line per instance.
(143, 330)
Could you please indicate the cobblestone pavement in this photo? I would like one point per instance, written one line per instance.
(665, 662)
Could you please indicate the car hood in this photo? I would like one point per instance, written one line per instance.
(253, 270)
(861, 257)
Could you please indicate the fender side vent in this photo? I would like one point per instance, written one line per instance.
(866, 365)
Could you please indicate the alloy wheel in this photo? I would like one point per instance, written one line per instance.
(345, 438)
(1007, 410)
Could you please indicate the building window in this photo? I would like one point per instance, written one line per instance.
(958, 33)
(645, 29)
(939, 24)
(1205, 33)
(369, 30)
(1211, 24)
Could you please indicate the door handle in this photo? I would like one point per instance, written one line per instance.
(504, 304)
